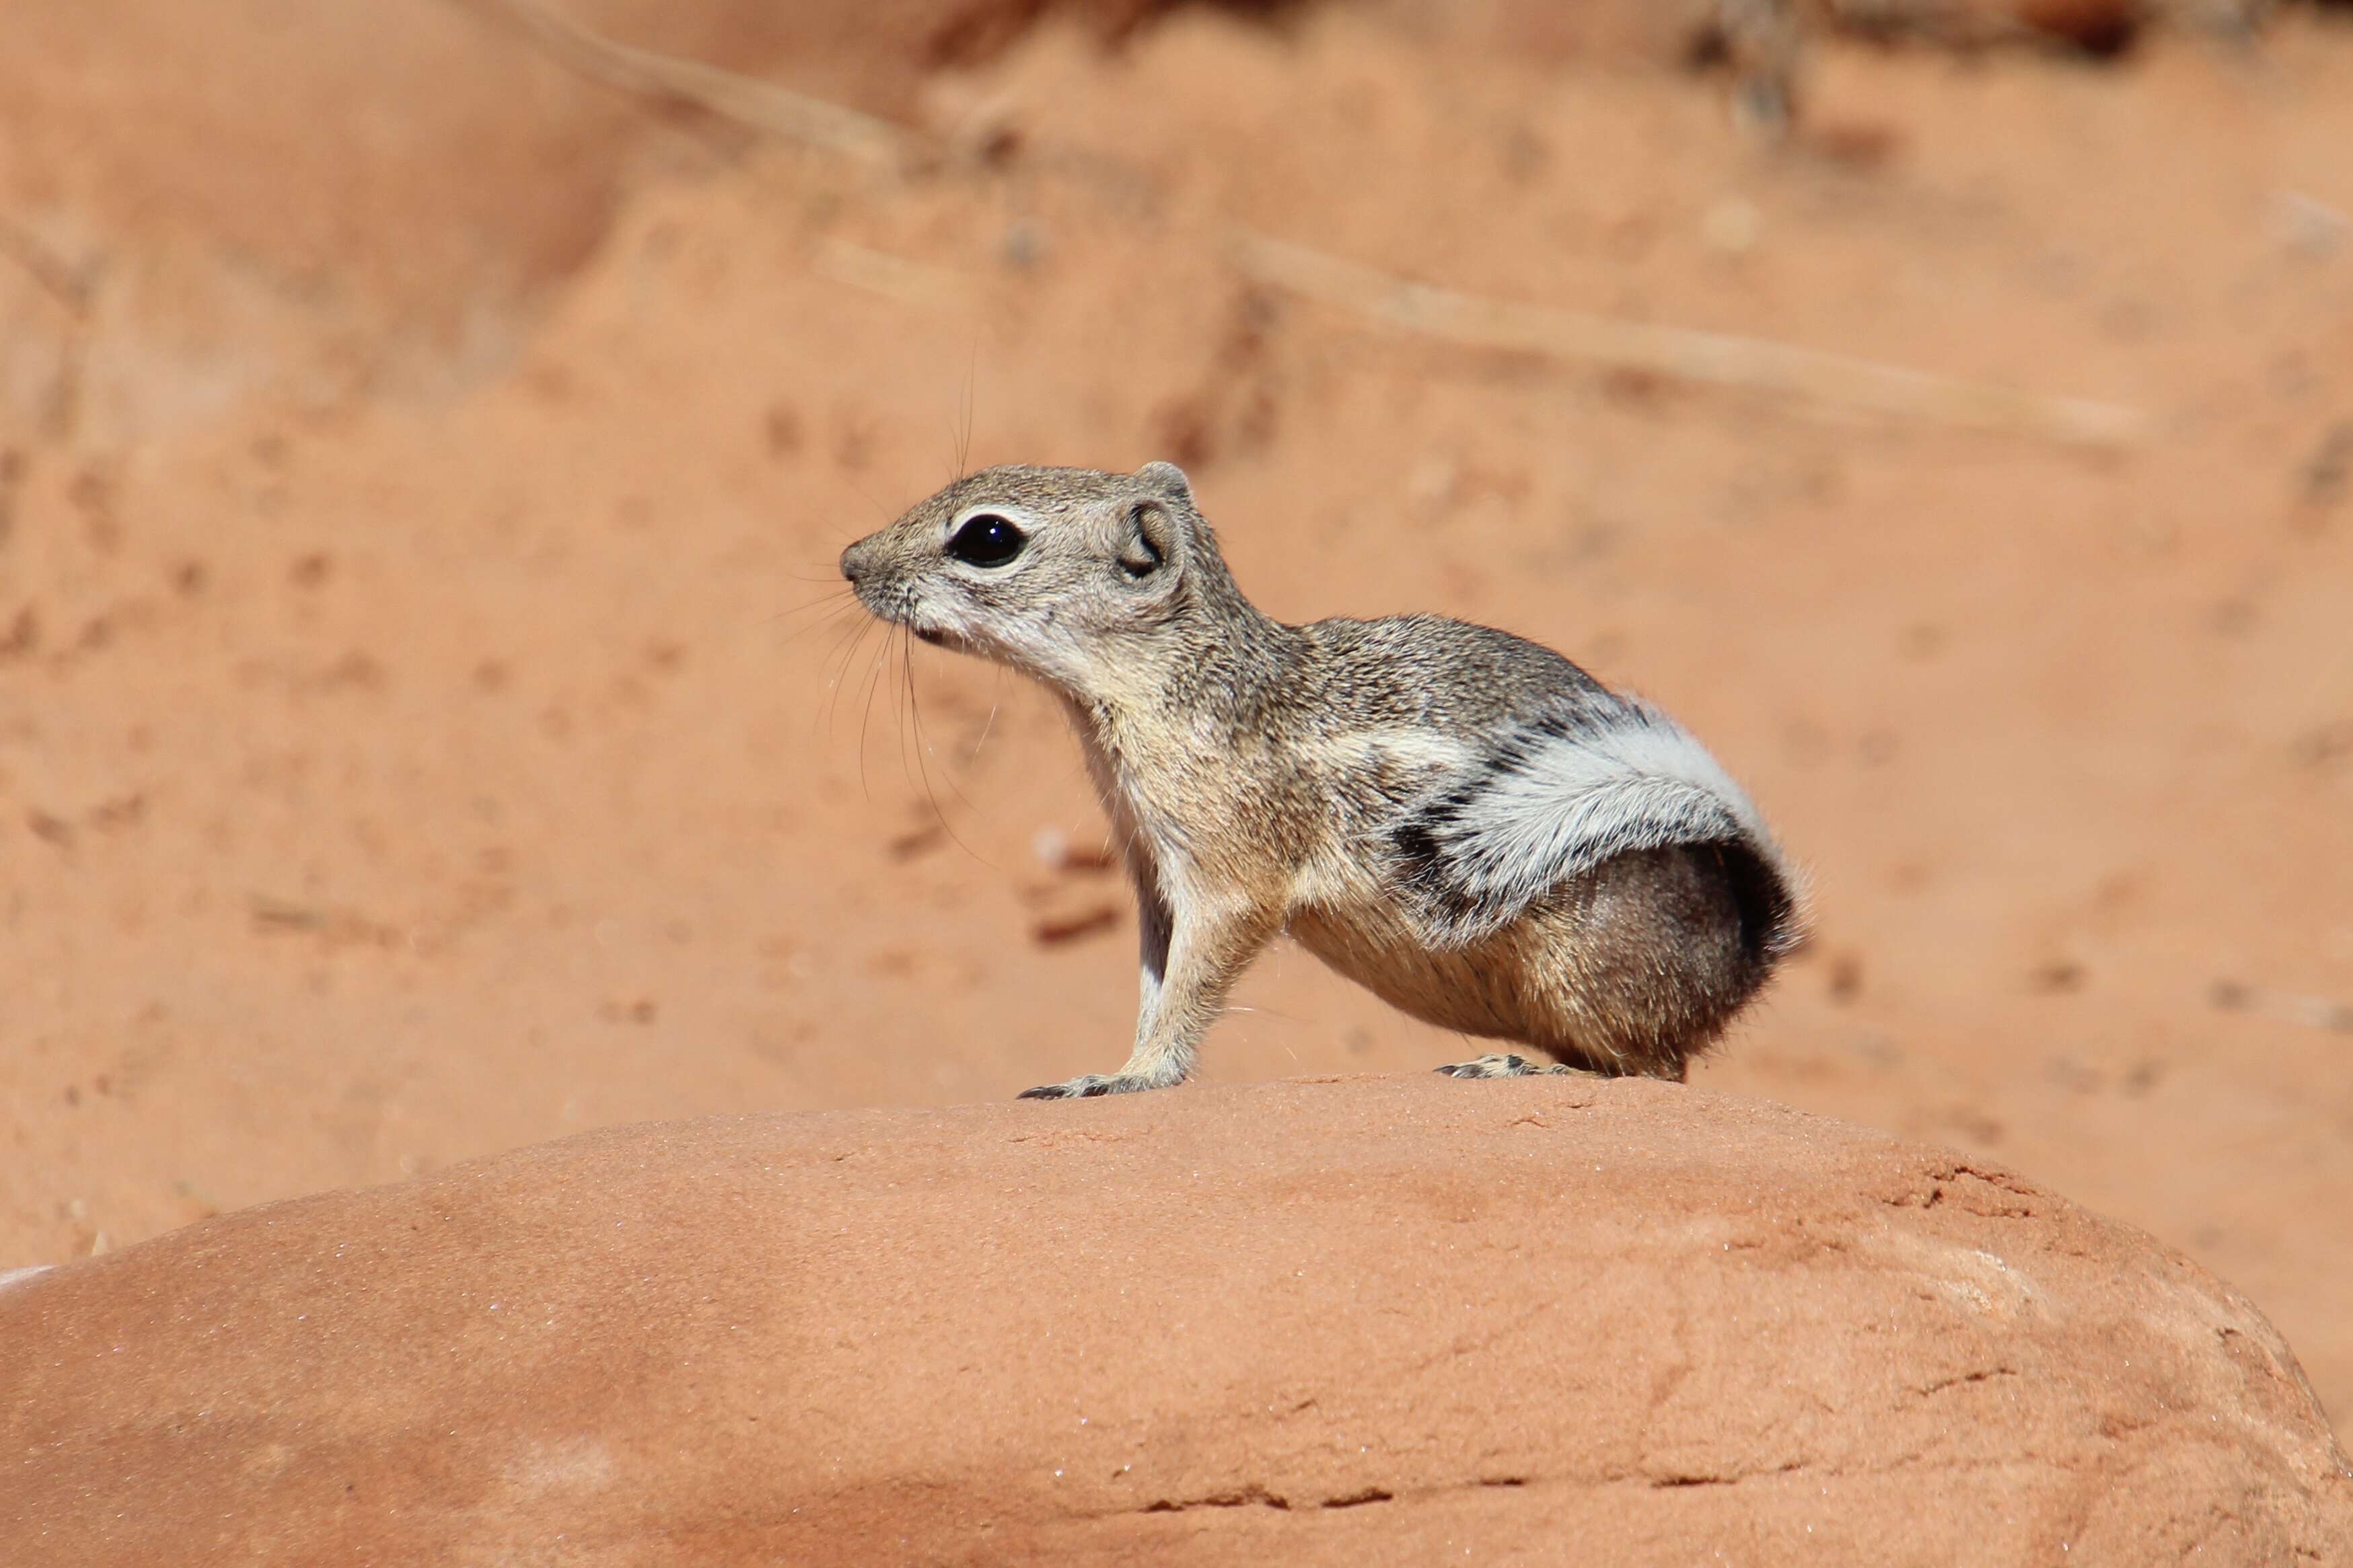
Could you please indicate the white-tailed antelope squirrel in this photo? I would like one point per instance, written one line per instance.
(1464, 822)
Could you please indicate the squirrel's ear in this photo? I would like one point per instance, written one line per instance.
(1150, 538)
(1169, 480)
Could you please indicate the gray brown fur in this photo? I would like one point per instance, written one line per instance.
(1459, 820)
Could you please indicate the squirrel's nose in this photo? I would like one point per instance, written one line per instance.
(856, 559)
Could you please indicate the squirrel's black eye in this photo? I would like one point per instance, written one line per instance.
(987, 540)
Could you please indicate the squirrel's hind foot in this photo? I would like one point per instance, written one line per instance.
(1504, 1064)
(1088, 1086)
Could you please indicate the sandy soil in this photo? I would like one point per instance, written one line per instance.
(396, 768)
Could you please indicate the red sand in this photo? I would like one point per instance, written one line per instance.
(1350, 1320)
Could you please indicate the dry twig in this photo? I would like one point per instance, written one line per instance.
(2314, 1012)
(728, 95)
(892, 277)
(72, 287)
(1712, 358)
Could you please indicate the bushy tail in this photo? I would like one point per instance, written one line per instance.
(1559, 796)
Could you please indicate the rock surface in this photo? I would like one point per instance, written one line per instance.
(1364, 1319)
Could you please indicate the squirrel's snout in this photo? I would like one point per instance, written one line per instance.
(857, 561)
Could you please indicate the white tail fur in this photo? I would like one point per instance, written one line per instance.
(1564, 801)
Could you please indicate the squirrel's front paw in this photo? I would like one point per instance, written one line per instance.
(1086, 1085)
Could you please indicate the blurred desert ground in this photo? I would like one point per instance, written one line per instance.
(426, 726)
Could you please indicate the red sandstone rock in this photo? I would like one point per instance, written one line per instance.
(1356, 1321)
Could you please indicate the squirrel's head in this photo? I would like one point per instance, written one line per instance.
(1063, 573)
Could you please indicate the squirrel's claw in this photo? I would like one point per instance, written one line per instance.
(1088, 1086)
(1506, 1064)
